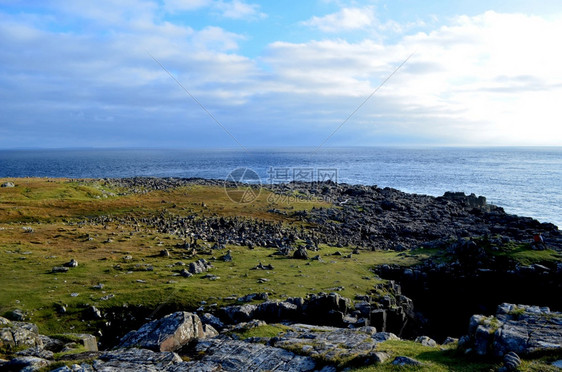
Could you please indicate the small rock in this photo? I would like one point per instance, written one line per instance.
(227, 257)
(450, 340)
(17, 315)
(164, 253)
(59, 269)
(98, 286)
(71, 263)
(405, 361)
(511, 361)
(185, 273)
(426, 341)
(301, 253)
(8, 184)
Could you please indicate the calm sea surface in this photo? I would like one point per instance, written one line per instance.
(524, 181)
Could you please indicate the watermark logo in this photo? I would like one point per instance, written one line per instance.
(247, 185)
(279, 175)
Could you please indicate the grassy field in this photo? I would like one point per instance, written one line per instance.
(118, 257)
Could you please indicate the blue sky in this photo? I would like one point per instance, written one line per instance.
(279, 73)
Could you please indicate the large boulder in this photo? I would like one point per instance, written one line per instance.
(169, 333)
(521, 329)
(18, 335)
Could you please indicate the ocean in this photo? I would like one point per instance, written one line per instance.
(525, 181)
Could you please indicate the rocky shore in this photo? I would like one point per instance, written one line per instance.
(474, 269)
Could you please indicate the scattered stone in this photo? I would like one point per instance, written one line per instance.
(59, 269)
(8, 184)
(169, 333)
(98, 286)
(74, 294)
(227, 257)
(71, 263)
(263, 267)
(263, 280)
(426, 341)
(185, 273)
(301, 253)
(94, 313)
(210, 277)
(27, 229)
(16, 315)
(450, 340)
(405, 361)
(199, 266)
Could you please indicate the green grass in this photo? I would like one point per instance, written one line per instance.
(26, 259)
(269, 330)
(435, 359)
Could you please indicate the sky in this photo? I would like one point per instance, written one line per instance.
(230, 73)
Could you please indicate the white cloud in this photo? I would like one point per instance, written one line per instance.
(185, 5)
(237, 9)
(489, 79)
(347, 19)
(232, 9)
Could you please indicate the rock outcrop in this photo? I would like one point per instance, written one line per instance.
(18, 335)
(169, 333)
(521, 329)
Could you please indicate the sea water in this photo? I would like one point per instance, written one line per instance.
(523, 180)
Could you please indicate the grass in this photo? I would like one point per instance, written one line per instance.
(53, 208)
(445, 358)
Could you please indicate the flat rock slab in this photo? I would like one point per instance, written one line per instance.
(334, 345)
(233, 355)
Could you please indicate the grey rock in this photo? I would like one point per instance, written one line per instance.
(301, 253)
(25, 364)
(16, 315)
(405, 361)
(450, 340)
(37, 352)
(169, 333)
(426, 341)
(135, 360)
(522, 329)
(511, 361)
(227, 257)
(232, 355)
(59, 269)
(51, 344)
(71, 263)
(199, 266)
(8, 184)
(212, 320)
(18, 335)
(385, 336)
(185, 273)
(164, 253)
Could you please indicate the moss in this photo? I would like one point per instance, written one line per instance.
(263, 331)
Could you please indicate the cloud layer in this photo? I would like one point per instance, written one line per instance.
(78, 74)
